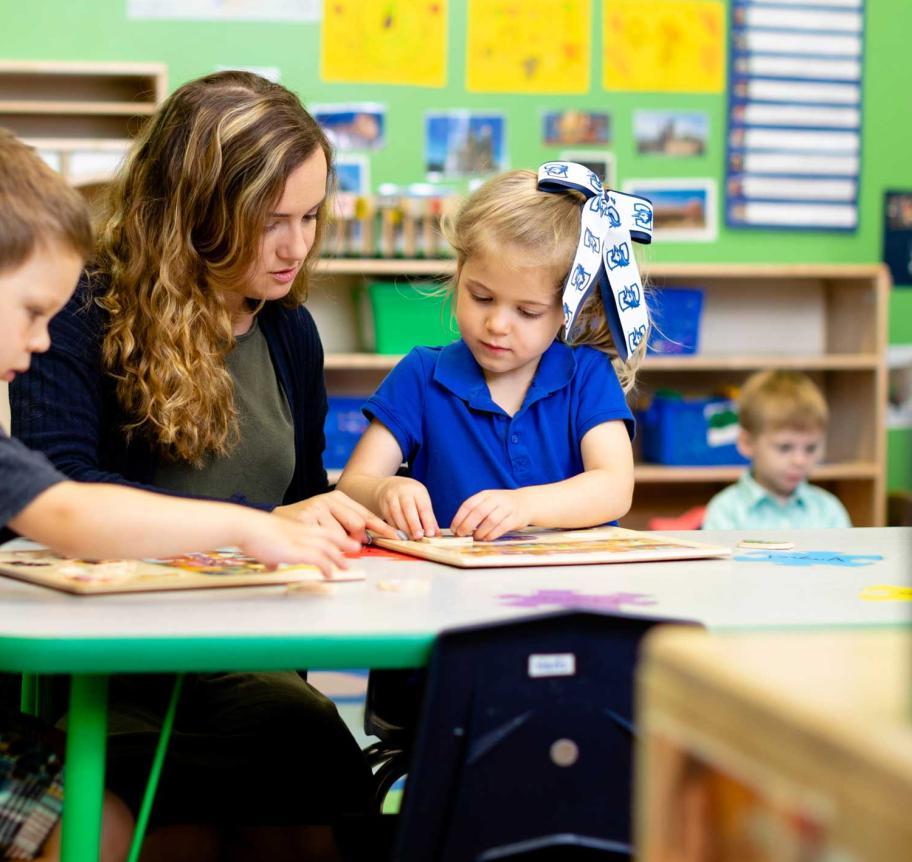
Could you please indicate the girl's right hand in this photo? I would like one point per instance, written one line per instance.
(274, 539)
(406, 504)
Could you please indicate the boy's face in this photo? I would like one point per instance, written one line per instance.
(782, 459)
(30, 295)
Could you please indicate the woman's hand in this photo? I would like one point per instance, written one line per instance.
(406, 504)
(489, 514)
(274, 539)
(338, 514)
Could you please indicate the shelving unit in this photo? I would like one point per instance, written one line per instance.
(79, 116)
(826, 320)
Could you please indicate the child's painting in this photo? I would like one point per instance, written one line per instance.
(670, 133)
(684, 209)
(352, 127)
(464, 144)
(536, 547)
(573, 128)
(222, 568)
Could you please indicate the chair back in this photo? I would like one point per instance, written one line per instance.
(525, 745)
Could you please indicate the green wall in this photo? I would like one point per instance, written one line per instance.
(99, 30)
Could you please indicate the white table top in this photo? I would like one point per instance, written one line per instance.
(367, 624)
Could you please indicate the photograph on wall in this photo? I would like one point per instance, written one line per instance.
(599, 162)
(670, 133)
(352, 174)
(897, 235)
(464, 144)
(358, 126)
(684, 210)
(576, 128)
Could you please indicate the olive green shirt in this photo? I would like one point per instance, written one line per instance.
(261, 466)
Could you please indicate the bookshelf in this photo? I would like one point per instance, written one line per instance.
(80, 116)
(826, 320)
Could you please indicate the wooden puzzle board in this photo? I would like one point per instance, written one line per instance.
(211, 569)
(536, 547)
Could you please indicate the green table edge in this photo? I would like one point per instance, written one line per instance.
(76, 655)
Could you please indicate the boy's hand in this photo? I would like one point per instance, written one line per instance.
(337, 513)
(406, 504)
(275, 539)
(489, 514)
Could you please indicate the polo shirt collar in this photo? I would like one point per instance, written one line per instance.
(755, 492)
(458, 371)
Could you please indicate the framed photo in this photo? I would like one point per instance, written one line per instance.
(601, 163)
(670, 133)
(464, 144)
(572, 128)
(359, 126)
(352, 174)
(684, 209)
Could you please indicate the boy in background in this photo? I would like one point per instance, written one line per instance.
(783, 418)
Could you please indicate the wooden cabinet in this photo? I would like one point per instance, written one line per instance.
(79, 116)
(826, 320)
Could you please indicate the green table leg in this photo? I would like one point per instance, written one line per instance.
(85, 768)
(29, 695)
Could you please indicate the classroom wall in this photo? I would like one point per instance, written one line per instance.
(100, 30)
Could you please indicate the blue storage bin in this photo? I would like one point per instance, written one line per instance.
(690, 432)
(345, 423)
(675, 320)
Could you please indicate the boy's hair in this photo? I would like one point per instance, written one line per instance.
(544, 229)
(36, 206)
(774, 400)
(184, 221)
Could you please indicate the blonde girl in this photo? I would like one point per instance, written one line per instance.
(523, 420)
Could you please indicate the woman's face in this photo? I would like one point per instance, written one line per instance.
(289, 232)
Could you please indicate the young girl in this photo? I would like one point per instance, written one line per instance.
(512, 425)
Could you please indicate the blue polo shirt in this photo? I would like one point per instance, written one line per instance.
(457, 441)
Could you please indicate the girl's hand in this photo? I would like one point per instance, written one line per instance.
(337, 513)
(489, 514)
(406, 504)
(275, 539)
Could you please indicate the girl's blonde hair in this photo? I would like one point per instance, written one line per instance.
(183, 222)
(544, 228)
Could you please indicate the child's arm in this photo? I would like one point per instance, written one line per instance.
(107, 521)
(601, 493)
(370, 479)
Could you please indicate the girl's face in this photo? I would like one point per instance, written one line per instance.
(288, 234)
(30, 295)
(508, 314)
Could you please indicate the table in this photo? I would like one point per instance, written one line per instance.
(360, 624)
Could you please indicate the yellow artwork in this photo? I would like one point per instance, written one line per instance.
(536, 46)
(384, 42)
(665, 46)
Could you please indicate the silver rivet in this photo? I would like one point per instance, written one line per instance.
(564, 752)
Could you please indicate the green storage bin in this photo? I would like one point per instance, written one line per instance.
(405, 315)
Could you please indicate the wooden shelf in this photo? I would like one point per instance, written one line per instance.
(79, 115)
(833, 362)
(828, 320)
(659, 473)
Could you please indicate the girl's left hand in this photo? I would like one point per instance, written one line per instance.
(489, 514)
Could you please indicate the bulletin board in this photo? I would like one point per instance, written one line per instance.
(102, 30)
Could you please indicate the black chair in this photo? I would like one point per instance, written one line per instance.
(525, 744)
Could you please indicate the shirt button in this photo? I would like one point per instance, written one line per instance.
(514, 438)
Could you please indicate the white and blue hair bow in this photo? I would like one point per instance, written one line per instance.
(610, 222)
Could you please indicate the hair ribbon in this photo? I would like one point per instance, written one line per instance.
(610, 223)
